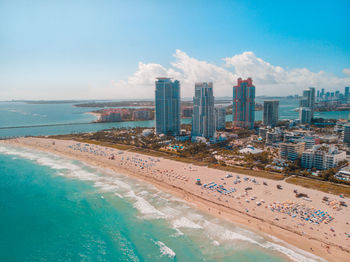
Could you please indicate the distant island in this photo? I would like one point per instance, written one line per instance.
(140, 103)
(46, 102)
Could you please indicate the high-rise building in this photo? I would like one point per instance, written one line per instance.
(305, 115)
(243, 111)
(167, 96)
(270, 115)
(308, 100)
(220, 117)
(347, 94)
(346, 134)
(203, 120)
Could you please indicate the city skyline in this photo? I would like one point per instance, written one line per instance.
(175, 130)
(64, 50)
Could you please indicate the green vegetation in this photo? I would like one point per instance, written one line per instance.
(323, 186)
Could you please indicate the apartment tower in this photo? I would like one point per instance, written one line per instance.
(243, 111)
(270, 115)
(203, 120)
(167, 106)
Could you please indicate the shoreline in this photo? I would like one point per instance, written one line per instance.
(193, 194)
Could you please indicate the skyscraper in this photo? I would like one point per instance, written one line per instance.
(220, 117)
(270, 115)
(243, 111)
(305, 115)
(167, 103)
(346, 134)
(308, 100)
(346, 94)
(203, 120)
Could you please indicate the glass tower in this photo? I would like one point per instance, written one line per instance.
(243, 111)
(167, 106)
(203, 120)
(270, 115)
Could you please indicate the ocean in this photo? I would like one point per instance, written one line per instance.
(56, 209)
(19, 114)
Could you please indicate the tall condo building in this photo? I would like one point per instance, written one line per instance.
(220, 117)
(305, 115)
(308, 100)
(346, 134)
(243, 111)
(167, 96)
(270, 115)
(347, 94)
(203, 120)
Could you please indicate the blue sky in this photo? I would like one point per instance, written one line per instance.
(60, 49)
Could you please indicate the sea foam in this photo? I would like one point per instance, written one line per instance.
(185, 222)
(165, 250)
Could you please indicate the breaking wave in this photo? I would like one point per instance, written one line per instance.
(165, 250)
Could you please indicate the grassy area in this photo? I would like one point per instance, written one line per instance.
(269, 175)
(323, 186)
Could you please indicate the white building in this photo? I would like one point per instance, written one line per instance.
(322, 157)
(250, 149)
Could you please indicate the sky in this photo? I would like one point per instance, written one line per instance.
(115, 49)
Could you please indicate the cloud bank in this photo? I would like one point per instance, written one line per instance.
(270, 80)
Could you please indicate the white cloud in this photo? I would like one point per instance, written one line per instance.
(346, 71)
(268, 79)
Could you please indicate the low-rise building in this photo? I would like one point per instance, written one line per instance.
(141, 114)
(250, 149)
(291, 151)
(322, 157)
(309, 141)
(343, 175)
(147, 132)
(262, 132)
(114, 115)
(273, 137)
(111, 117)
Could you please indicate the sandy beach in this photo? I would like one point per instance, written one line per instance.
(315, 222)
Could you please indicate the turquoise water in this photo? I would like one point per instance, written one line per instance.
(22, 114)
(56, 209)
